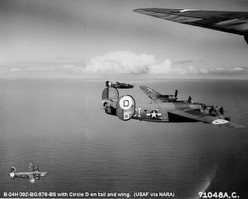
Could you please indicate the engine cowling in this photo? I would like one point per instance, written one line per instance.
(125, 107)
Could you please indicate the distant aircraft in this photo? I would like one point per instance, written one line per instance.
(118, 85)
(33, 174)
(163, 108)
(225, 21)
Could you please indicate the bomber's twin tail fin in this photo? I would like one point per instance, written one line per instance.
(110, 93)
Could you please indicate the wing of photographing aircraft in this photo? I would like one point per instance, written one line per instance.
(225, 21)
(199, 116)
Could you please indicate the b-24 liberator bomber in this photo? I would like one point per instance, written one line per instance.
(163, 108)
(121, 85)
(32, 174)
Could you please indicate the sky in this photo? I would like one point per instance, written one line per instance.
(91, 38)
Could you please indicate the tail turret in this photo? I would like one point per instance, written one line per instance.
(12, 172)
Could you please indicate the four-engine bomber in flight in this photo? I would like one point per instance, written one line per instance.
(121, 85)
(163, 108)
(226, 21)
(33, 174)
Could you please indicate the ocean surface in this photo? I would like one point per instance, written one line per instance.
(59, 124)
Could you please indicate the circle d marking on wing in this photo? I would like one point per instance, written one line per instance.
(126, 102)
(220, 121)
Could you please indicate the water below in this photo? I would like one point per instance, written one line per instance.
(59, 125)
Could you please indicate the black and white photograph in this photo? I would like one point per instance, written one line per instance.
(124, 99)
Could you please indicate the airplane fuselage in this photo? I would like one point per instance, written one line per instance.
(27, 174)
(33, 174)
(159, 112)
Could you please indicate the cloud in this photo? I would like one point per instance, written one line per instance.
(120, 62)
(72, 68)
(127, 62)
(117, 63)
(14, 70)
(238, 68)
(229, 70)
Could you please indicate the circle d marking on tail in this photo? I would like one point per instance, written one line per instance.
(126, 102)
(125, 107)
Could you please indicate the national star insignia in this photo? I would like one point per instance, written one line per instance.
(149, 90)
(154, 114)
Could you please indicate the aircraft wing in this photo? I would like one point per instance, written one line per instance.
(226, 21)
(152, 94)
(204, 117)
